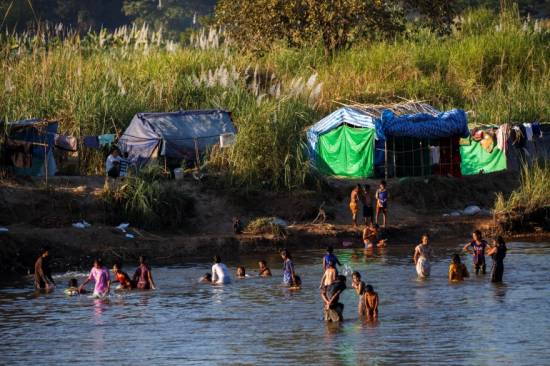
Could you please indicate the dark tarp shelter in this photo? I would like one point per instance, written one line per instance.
(178, 135)
(28, 146)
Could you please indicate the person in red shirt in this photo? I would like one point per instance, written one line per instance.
(122, 277)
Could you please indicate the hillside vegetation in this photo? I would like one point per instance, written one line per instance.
(495, 65)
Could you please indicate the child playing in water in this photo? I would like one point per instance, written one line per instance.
(370, 301)
(330, 257)
(263, 270)
(422, 257)
(289, 276)
(241, 272)
(143, 276)
(371, 237)
(333, 309)
(329, 276)
(457, 270)
(359, 287)
(220, 273)
(207, 278)
(72, 289)
(100, 275)
(122, 278)
(477, 246)
(382, 196)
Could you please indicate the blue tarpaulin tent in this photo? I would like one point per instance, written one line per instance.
(174, 134)
(39, 135)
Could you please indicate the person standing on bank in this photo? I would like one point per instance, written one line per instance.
(354, 203)
(42, 274)
(497, 252)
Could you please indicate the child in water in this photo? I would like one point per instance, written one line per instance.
(359, 287)
(477, 246)
(330, 257)
(241, 272)
(457, 270)
(371, 237)
(72, 289)
(329, 276)
(122, 278)
(263, 270)
(207, 278)
(370, 302)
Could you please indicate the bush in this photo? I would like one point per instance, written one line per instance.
(149, 200)
(266, 225)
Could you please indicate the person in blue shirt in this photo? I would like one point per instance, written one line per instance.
(330, 257)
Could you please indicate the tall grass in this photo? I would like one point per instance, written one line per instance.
(532, 195)
(498, 67)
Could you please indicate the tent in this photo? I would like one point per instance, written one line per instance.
(342, 143)
(179, 135)
(355, 141)
(28, 146)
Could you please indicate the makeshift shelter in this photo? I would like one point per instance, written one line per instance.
(342, 143)
(178, 135)
(404, 139)
(480, 152)
(28, 146)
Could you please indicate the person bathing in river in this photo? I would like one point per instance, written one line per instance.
(382, 197)
(354, 203)
(72, 289)
(220, 273)
(333, 309)
(263, 270)
(125, 283)
(457, 270)
(143, 277)
(477, 248)
(241, 272)
(289, 275)
(370, 302)
(329, 276)
(42, 274)
(100, 275)
(297, 283)
(422, 257)
(359, 287)
(367, 206)
(207, 278)
(330, 257)
(497, 252)
(371, 237)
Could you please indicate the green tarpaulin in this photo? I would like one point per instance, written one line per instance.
(476, 159)
(347, 151)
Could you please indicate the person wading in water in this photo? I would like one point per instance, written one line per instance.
(42, 274)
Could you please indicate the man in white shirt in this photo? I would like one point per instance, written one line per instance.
(220, 273)
(112, 165)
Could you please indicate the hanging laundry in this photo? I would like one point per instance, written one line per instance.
(488, 141)
(537, 132)
(68, 143)
(106, 140)
(465, 141)
(434, 155)
(503, 133)
(477, 135)
(517, 135)
(19, 153)
(528, 131)
(91, 142)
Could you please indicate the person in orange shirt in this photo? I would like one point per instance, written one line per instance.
(457, 270)
(122, 277)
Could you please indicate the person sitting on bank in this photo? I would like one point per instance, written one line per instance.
(72, 289)
(370, 302)
(112, 164)
(143, 278)
(125, 283)
(371, 237)
(333, 309)
(263, 270)
(457, 270)
(42, 274)
(220, 273)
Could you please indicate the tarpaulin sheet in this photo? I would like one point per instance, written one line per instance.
(423, 125)
(347, 151)
(475, 159)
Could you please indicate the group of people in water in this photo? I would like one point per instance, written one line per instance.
(99, 274)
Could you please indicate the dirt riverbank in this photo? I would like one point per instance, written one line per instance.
(38, 215)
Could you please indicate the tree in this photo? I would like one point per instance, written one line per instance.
(336, 23)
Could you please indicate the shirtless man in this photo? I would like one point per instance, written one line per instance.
(42, 273)
(354, 203)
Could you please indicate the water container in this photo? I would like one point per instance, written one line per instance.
(178, 173)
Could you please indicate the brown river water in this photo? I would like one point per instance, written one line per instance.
(255, 321)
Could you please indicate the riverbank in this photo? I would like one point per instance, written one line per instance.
(37, 214)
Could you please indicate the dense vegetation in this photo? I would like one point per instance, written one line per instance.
(495, 65)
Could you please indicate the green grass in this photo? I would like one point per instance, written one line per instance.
(499, 68)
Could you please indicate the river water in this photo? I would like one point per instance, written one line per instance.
(255, 321)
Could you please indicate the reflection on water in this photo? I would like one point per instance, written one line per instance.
(255, 320)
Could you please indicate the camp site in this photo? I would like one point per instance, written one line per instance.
(278, 182)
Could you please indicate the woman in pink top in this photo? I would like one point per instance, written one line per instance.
(143, 276)
(100, 275)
